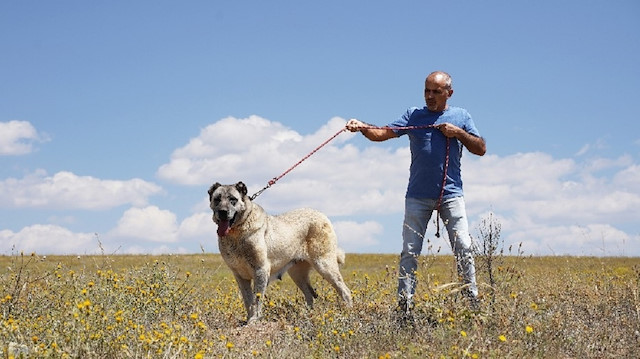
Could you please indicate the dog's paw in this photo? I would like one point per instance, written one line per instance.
(252, 320)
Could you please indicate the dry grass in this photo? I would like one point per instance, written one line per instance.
(187, 306)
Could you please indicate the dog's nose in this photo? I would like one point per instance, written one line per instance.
(223, 215)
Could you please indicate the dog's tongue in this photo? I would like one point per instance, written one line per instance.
(223, 228)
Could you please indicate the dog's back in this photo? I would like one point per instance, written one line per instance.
(302, 234)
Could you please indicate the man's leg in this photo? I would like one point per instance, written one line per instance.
(416, 216)
(454, 216)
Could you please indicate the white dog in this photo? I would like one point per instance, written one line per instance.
(260, 247)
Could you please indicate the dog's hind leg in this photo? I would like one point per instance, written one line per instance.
(329, 270)
(300, 275)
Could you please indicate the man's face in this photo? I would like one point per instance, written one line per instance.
(436, 93)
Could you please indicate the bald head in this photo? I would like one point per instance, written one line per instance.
(441, 78)
(437, 90)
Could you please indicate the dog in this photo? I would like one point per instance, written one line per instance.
(259, 247)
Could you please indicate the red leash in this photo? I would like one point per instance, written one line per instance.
(275, 179)
(444, 179)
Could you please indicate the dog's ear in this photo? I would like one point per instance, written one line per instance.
(242, 188)
(212, 189)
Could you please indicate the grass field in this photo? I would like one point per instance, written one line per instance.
(188, 306)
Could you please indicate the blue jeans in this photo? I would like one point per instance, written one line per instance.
(417, 214)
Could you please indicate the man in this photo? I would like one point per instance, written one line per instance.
(437, 134)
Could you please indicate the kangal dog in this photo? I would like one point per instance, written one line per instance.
(259, 247)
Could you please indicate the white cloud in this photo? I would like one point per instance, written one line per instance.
(628, 179)
(18, 137)
(584, 149)
(599, 144)
(558, 206)
(66, 190)
(150, 224)
(592, 239)
(148, 230)
(527, 176)
(199, 225)
(46, 239)
(357, 237)
(156, 231)
(250, 149)
(230, 147)
(562, 191)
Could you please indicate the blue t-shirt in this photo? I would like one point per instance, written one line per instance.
(429, 149)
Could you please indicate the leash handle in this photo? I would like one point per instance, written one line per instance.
(444, 183)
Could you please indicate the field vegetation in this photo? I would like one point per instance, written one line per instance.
(188, 306)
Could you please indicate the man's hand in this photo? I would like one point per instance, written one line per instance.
(373, 133)
(474, 144)
(449, 130)
(354, 125)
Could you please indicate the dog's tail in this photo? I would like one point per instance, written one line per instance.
(340, 256)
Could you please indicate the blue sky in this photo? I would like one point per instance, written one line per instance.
(115, 117)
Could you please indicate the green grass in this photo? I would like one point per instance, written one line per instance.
(188, 306)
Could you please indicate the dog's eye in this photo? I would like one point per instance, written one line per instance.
(216, 200)
(233, 200)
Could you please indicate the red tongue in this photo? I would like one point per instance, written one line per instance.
(223, 228)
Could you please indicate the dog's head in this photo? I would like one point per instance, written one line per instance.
(228, 204)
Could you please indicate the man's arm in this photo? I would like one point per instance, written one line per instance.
(370, 132)
(473, 143)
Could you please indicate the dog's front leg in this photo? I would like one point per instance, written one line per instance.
(248, 297)
(259, 287)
